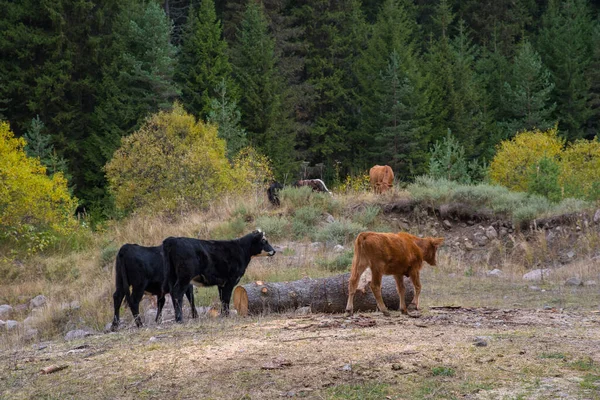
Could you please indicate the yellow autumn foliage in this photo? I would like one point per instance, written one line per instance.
(172, 163)
(34, 207)
(514, 159)
(252, 170)
(580, 169)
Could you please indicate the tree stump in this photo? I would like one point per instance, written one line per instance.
(327, 295)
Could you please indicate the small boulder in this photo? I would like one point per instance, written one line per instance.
(77, 334)
(597, 216)
(5, 311)
(11, 324)
(447, 224)
(537, 274)
(480, 238)
(480, 341)
(496, 273)
(303, 310)
(469, 246)
(574, 281)
(150, 316)
(316, 245)
(30, 334)
(491, 233)
(2, 324)
(338, 248)
(590, 283)
(329, 218)
(38, 301)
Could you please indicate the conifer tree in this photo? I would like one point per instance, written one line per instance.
(225, 113)
(39, 145)
(203, 62)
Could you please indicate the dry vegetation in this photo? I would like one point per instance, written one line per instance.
(542, 337)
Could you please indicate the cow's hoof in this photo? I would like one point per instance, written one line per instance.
(412, 307)
(349, 313)
(113, 327)
(386, 313)
(405, 312)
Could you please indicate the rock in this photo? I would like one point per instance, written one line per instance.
(5, 311)
(38, 301)
(11, 324)
(150, 316)
(574, 281)
(447, 224)
(329, 218)
(480, 238)
(316, 245)
(590, 283)
(338, 248)
(597, 216)
(480, 341)
(29, 320)
(494, 273)
(503, 232)
(469, 246)
(2, 324)
(303, 310)
(491, 233)
(347, 367)
(571, 254)
(537, 274)
(30, 334)
(107, 327)
(534, 288)
(77, 334)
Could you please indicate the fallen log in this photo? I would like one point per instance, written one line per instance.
(327, 295)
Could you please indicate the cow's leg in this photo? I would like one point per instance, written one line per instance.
(118, 300)
(160, 303)
(189, 293)
(136, 297)
(177, 296)
(416, 280)
(357, 271)
(376, 288)
(225, 296)
(401, 292)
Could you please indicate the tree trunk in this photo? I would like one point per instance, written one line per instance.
(328, 295)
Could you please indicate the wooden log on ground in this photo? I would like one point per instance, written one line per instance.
(328, 295)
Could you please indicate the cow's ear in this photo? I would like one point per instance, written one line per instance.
(437, 241)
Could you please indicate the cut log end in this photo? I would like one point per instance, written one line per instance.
(240, 301)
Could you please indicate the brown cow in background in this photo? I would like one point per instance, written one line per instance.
(382, 178)
(399, 254)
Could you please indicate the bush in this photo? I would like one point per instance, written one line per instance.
(304, 196)
(342, 262)
(367, 216)
(511, 167)
(35, 209)
(252, 169)
(580, 169)
(543, 179)
(308, 215)
(339, 232)
(172, 163)
(229, 230)
(274, 227)
(355, 183)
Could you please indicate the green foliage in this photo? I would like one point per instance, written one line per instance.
(341, 231)
(39, 144)
(230, 229)
(443, 371)
(108, 254)
(172, 163)
(252, 169)
(304, 196)
(203, 71)
(225, 114)
(363, 391)
(367, 216)
(308, 215)
(339, 263)
(34, 208)
(580, 169)
(274, 227)
(543, 179)
(447, 160)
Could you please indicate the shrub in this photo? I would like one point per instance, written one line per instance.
(354, 183)
(274, 227)
(447, 160)
(34, 208)
(339, 232)
(543, 179)
(173, 163)
(512, 164)
(367, 216)
(580, 175)
(308, 215)
(341, 262)
(300, 230)
(252, 169)
(230, 229)
(304, 196)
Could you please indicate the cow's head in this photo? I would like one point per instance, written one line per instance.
(260, 245)
(429, 246)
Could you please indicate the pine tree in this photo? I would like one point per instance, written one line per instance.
(203, 61)
(527, 102)
(225, 113)
(39, 145)
(566, 46)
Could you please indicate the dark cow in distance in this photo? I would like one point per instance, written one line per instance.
(273, 193)
(209, 263)
(143, 269)
(317, 185)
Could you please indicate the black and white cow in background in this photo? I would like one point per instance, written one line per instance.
(143, 269)
(317, 185)
(209, 263)
(273, 193)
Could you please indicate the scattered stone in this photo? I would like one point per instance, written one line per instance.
(2, 324)
(597, 216)
(329, 218)
(534, 288)
(480, 238)
(150, 317)
(494, 273)
(316, 245)
(491, 233)
(574, 281)
(338, 248)
(480, 341)
(547, 307)
(77, 334)
(571, 254)
(29, 320)
(5, 311)
(11, 324)
(38, 301)
(107, 327)
(347, 367)
(503, 232)
(397, 367)
(30, 334)
(469, 246)
(590, 283)
(75, 305)
(447, 224)
(303, 310)
(537, 274)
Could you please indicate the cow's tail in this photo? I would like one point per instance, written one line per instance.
(167, 265)
(358, 262)
(121, 277)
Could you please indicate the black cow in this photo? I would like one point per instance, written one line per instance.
(143, 269)
(273, 193)
(209, 263)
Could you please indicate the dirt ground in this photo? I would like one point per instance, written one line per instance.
(449, 352)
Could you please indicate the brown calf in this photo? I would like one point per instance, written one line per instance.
(381, 178)
(399, 254)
